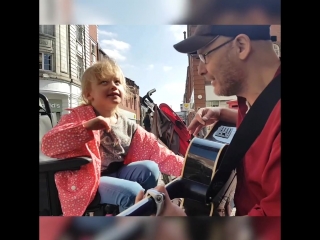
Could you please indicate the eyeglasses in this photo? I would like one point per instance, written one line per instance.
(203, 56)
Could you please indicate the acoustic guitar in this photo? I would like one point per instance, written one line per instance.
(201, 162)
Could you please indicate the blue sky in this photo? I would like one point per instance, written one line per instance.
(146, 55)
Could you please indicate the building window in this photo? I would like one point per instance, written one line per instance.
(94, 59)
(79, 67)
(45, 61)
(212, 103)
(47, 29)
(93, 48)
(79, 33)
(93, 53)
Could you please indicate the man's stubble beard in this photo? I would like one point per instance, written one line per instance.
(232, 78)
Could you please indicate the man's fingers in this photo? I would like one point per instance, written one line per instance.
(159, 188)
(194, 125)
(198, 129)
(199, 118)
(162, 189)
(139, 197)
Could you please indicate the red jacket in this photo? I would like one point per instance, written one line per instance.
(258, 191)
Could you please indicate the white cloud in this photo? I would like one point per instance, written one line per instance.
(178, 30)
(115, 54)
(167, 68)
(150, 67)
(114, 48)
(119, 45)
(105, 33)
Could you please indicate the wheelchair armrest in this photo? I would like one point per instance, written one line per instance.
(56, 165)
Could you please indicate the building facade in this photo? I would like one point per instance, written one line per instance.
(94, 47)
(64, 53)
(102, 55)
(131, 105)
(199, 92)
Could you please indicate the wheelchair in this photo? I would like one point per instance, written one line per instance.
(49, 204)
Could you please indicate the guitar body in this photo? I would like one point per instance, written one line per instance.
(202, 161)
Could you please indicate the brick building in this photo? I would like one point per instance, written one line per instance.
(132, 102)
(93, 34)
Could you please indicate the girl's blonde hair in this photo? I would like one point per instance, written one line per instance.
(100, 70)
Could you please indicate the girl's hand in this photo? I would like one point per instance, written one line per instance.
(98, 123)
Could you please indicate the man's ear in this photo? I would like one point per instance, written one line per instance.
(243, 46)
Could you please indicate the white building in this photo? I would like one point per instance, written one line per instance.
(212, 100)
(64, 53)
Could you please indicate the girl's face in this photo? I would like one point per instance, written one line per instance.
(106, 92)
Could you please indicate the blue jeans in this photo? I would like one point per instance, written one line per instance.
(121, 188)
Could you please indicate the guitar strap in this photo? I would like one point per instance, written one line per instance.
(248, 131)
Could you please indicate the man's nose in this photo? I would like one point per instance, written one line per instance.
(202, 70)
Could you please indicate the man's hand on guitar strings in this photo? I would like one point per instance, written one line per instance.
(204, 117)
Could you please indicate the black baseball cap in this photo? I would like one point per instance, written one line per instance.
(204, 34)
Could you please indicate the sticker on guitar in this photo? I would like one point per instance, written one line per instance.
(222, 133)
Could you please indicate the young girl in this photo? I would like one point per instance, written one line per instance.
(125, 157)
